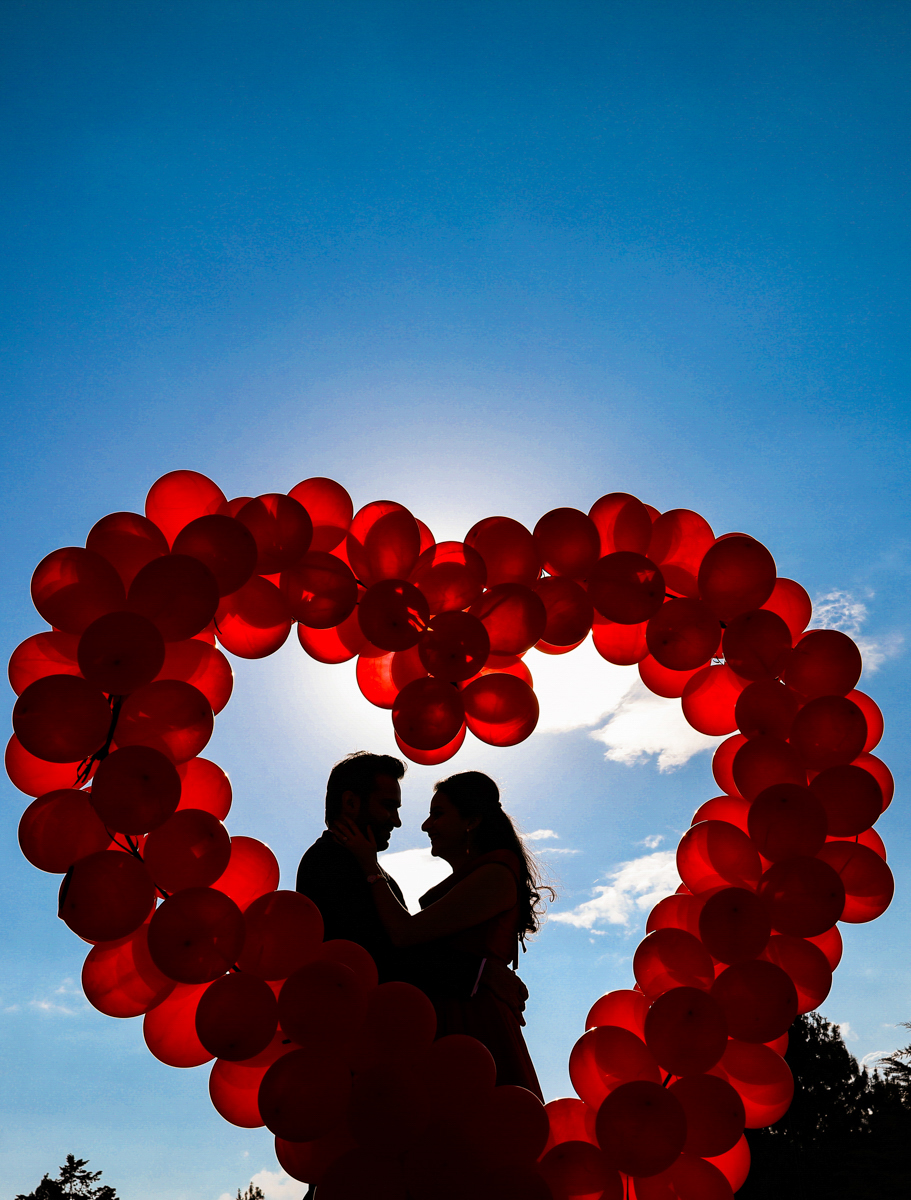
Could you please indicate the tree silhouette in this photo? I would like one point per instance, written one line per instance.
(73, 1182)
(253, 1192)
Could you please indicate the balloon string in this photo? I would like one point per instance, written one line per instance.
(85, 767)
(133, 848)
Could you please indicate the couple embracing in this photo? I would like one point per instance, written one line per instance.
(460, 948)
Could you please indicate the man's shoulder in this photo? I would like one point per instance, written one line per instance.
(325, 859)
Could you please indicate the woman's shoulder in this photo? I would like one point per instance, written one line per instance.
(506, 858)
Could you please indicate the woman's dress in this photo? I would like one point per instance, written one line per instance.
(484, 1016)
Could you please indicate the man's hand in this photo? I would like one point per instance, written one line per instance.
(506, 986)
(347, 834)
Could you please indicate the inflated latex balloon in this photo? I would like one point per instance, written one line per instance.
(714, 1113)
(284, 930)
(135, 789)
(190, 850)
(710, 698)
(323, 999)
(399, 1026)
(455, 647)
(120, 979)
(805, 964)
(72, 587)
(456, 1072)
(664, 681)
(432, 758)
(338, 644)
(868, 882)
(514, 616)
(224, 545)
(393, 614)
(830, 944)
(804, 896)
(320, 590)
(120, 652)
(767, 708)
(169, 1028)
(641, 1128)
(234, 1086)
(787, 820)
(717, 854)
(626, 588)
(737, 574)
(683, 635)
(180, 497)
(203, 784)
(680, 911)
(397, 1093)
(763, 761)
(60, 827)
(510, 1127)
(177, 593)
(623, 523)
(329, 507)
(429, 713)
(687, 1031)
(756, 644)
(61, 718)
(605, 1057)
(170, 716)
(790, 602)
(761, 1078)
(236, 1017)
(304, 1094)
(829, 731)
(688, 1178)
(723, 763)
(758, 999)
(622, 645)
(881, 773)
(128, 541)
(281, 528)
(679, 541)
(500, 709)
(41, 655)
(569, 611)
(825, 662)
(672, 958)
(850, 797)
(732, 809)
(309, 1161)
(105, 896)
(254, 621)
(624, 1007)
(568, 542)
(196, 935)
(384, 542)
(509, 551)
(570, 1120)
(576, 1169)
(872, 715)
(35, 776)
(252, 872)
(734, 1164)
(451, 575)
(205, 667)
(734, 926)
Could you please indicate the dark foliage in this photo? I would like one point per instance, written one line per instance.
(846, 1134)
(73, 1182)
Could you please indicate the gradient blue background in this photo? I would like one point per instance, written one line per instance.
(478, 258)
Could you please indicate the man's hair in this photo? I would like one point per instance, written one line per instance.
(357, 773)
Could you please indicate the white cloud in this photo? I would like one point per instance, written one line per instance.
(869, 1060)
(633, 887)
(578, 689)
(540, 835)
(842, 610)
(844, 1028)
(653, 841)
(644, 724)
(276, 1185)
(67, 1000)
(415, 871)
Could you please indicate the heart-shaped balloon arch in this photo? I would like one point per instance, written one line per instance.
(117, 700)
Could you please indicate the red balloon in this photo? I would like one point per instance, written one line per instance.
(196, 935)
(709, 700)
(734, 1164)
(223, 544)
(190, 850)
(622, 645)
(61, 718)
(568, 542)
(384, 542)
(120, 652)
(758, 1000)
(868, 882)
(570, 1120)
(203, 666)
(734, 926)
(678, 544)
(732, 809)
(234, 1086)
(399, 1027)
(513, 615)
(455, 647)
(680, 911)
(35, 776)
(737, 574)
(360, 1172)
(664, 681)
(873, 717)
(577, 1168)
(830, 944)
(381, 679)
(761, 1078)
(320, 590)
(804, 896)
(825, 662)
(714, 1113)
(432, 758)
(881, 773)
(72, 587)
(764, 760)
(120, 979)
(428, 713)
(177, 594)
(339, 644)
(284, 930)
(850, 797)
(59, 828)
(623, 523)
(232, 507)
(671, 958)
(236, 1017)
(625, 1008)
(105, 896)
(252, 871)
(641, 1128)
(178, 498)
(169, 1028)
(686, 1031)
(305, 1093)
(683, 635)
(43, 654)
(204, 785)
(510, 1127)
(254, 621)
(309, 1161)
(756, 644)
(805, 964)
(393, 614)
(626, 588)
(569, 611)
(604, 1058)
(451, 575)
(329, 507)
(829, 731)
(717, 854)
(135, 789)
(281, 528)
(509, 551)
(723, 763)
(766, 707)
(791, 602)
(787, 820)
(323, 999)
(689, 1178)
(128, 541)
(170, 716)
(500, 709)
(350, 954)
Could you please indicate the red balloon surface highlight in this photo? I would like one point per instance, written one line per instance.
(500, 709)
(329, 507)
(35, 776)
(254, 621)
(120, 979)
(204, 785)
(252, 872)
(710, 698)
(678, 544)
(868, 882)
(178, 498)
(625, 1007)
(790, 602)
(805, 964)
(622, 645)
(605, 1057)
(717, 854)
(169, 1028)
(761, 1078)
(623, 523)
(672, 958)
(202, 665)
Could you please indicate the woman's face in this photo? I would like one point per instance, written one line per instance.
(447, 830)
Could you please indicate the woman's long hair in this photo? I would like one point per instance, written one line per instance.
(475, 794)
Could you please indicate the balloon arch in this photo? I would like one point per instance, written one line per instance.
(117, 700)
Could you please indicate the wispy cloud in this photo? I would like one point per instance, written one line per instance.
(845, 611)
(632, 888)
(66, 1000)
(541, 835)
(415, 871)
(847, 1033)
(275, 1184)
(644, 725)
(653, 841)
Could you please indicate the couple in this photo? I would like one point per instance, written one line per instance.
(459, 947)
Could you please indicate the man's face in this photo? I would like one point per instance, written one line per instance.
(380, 811)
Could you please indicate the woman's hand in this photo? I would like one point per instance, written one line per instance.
(349, 835)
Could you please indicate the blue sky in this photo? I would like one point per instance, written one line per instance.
(477, 258)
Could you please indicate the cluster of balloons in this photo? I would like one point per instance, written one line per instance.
(187, 925)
